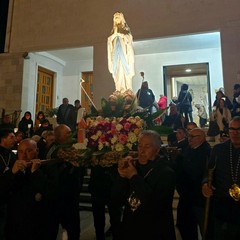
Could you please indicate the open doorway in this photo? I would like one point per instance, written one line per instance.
(198, 80)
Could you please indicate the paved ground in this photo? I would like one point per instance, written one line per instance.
(87, 227)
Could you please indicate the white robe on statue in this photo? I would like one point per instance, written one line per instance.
(121, 60)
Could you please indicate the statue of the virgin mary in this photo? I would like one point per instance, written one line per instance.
(121, 54)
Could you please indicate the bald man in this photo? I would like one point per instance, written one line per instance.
(27, 206)
(191, 167)
(27, 157)
(62, 137)
(69, 182)
(196, 138)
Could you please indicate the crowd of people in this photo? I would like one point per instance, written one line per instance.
(66, 114)
(34, 199)
(222, 111)
(38, 195)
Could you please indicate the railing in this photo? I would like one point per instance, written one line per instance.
(14, 116)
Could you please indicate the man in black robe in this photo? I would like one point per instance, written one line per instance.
(27, 207)
(146, 190)
(191, 167)
(69, 179)
(7, 159)
(224, 161)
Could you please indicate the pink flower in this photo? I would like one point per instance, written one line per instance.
(127, 126)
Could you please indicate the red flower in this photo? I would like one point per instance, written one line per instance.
(122, 138)
(102, 138)
(113, 130)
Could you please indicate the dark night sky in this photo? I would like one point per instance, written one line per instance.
(3, 22)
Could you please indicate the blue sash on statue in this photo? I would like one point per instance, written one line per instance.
(118, 53)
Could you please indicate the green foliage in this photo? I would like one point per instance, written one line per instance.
(106, 107)
(51, 112)
(94, 111)
(162, 130)
(118, 105)
(125, 105)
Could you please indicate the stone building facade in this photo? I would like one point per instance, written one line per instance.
(46, 25)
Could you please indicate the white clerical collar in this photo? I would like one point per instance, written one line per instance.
(181, 140)
(197, 146)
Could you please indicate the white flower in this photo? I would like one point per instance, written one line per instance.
(80, 146)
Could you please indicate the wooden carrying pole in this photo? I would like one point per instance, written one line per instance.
(54, 160)
(207, 204)
(142, 75)
(81, 81)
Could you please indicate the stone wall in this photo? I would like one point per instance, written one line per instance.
(46, 25)
(11, 71)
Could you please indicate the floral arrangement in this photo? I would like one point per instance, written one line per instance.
(109, 139)
(112, 132)
(117, 134)
(117, 105)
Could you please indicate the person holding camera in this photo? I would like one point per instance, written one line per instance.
(145, 188)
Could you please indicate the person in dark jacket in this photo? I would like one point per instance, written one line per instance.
(45, 126)
(45, 142)
(69, 179)
(39, 119)
(7, 122)
(185, 103)
(236, 100)
(225, 160)
(26, 125)
(64, 113)
(27, 207)
(173, 120)
(146, 189)
(7, 160)
(182, 140)
(220, 95)
(145, 96)
(100, 186)
(74, 115)
(191, 167)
